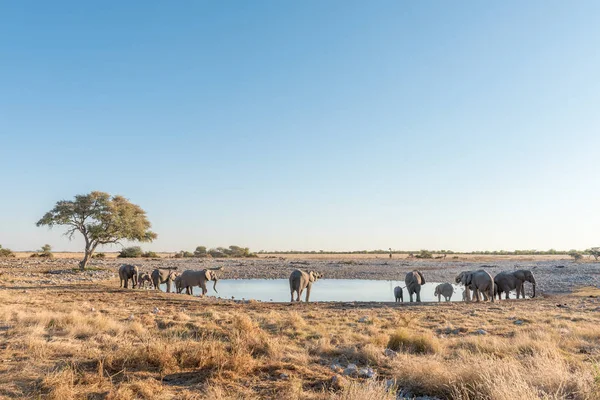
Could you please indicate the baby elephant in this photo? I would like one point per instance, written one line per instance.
(300, 280)
(444, 289)
(398, 294)
(143, 279)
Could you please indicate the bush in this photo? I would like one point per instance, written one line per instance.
(131, 252)
(6, 252)
(150, 254)
(200, 252)
(575, 254)
(45, 252)
(414, 343)
(184, 254)
(424, 254)
(99, 256)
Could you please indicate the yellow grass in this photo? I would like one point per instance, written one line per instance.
(81, 342)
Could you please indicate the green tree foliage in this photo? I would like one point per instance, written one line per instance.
(101, 219)
(200, 252)
(99, 256)
(577, 255)
(150, 254)
(424, 254)
(594, 252)
(45, 252)
(131, 252)
(4, 252)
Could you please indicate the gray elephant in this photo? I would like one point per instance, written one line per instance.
(398, 295)
(510, 280)
(444, 289)
(479, 281)
(163, 275)
(191, 278)
(143, 278)
(177, 282)
(127, 272)
(413, 281)
(300, 280)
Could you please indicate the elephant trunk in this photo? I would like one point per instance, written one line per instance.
(533, 284)
(215, 285)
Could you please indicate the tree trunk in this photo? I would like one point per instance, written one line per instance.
(83, 263)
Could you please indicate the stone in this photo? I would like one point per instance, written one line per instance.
(366, 373)
(283, 376)
(518, 322)
(156, 310)
(336, 367)
(481, 332)
(131, 317)
(364, 319)
(390, 353)
(351, 369)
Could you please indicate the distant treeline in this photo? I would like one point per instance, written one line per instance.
(487, 252)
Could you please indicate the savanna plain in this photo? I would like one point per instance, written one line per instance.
(66, 334)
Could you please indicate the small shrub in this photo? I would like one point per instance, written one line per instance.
(150, 254)
(200, 252)
(576, 255)
(131, 252)
(424, 254)
(6, 252)
(414, 343)
(99, 256)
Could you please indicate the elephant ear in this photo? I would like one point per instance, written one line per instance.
(208, 275)
(422, 277)
(311, 276)
(467, 278)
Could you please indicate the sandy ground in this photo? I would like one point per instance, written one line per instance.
(554, 274)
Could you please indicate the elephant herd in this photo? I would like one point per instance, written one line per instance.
(479, 282)
(186, 280)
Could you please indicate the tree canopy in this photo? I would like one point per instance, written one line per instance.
(101, 219)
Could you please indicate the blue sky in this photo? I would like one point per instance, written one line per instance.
(338, 125)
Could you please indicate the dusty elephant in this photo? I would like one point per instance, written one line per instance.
(511, 280)
(479, 281)
(398, 295)
(127, 272)
(177, 282)
(413, 281)
(300, 280)
(163, 275)
(191, 278)
(444, 289)
(143, 278)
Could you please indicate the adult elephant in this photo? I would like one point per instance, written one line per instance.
(191, 278)
(127, 272)
(163, 275)
(479, 281)
(444, 289)
(300, 280)
(413, 281)
(510, 280)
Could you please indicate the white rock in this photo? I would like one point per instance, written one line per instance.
(156, 310)
(481, 332)
(131, 317)
(351, 369)
(364, 319)
(518, 322)
(366, 373)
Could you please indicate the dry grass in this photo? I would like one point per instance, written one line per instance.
(82, 343)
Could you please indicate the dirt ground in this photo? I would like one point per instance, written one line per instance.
(73, 335)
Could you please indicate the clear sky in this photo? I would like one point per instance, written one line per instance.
(335, 125)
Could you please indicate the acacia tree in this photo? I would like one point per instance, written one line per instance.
(101, 219)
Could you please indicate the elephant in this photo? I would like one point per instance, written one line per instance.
(510, 280)
(444, 289)
(163, 275)
(413, 281)
(127, 272)
(398, 294)
(178, 286)
(479, 281)
(143, 278)
(300, 280)
(191, 278)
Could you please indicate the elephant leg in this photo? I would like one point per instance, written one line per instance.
(439, 298)
(476, 294)
(169, 286)
(300, 294)
(292, 295)
(307, 293)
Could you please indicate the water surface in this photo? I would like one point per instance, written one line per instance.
(278, 290)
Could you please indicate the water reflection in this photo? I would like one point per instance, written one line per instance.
(278, 290)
